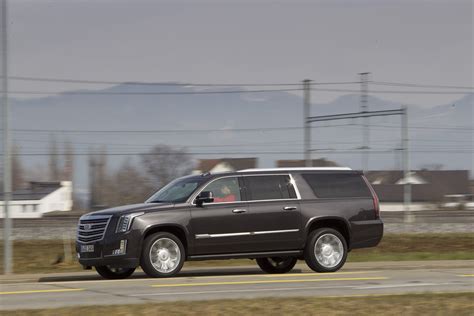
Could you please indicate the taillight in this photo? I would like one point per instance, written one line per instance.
(375, 198)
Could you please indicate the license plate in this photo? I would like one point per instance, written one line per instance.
(87, 248)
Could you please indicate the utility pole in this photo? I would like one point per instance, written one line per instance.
(408, 217)
(7, 178)
(307, 126)
(364, 107)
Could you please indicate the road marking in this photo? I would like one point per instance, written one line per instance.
(387, 286)
(244, 290)
(466, 275)
(40, 291)
(268, 281)
(315, 274)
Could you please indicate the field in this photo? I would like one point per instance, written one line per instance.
(47, 256)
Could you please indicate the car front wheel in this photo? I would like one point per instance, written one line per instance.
(162, 255)
(326, 250)
(277, 264)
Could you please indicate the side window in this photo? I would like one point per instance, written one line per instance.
(225, 190)
(337, 185)
(269, 187)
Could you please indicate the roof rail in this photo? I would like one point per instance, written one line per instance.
(298, 169)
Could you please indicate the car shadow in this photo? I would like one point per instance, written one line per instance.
(188, 273)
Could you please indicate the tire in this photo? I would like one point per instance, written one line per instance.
(163, 255)
(276, 264)
(108, 272)
(326, 250)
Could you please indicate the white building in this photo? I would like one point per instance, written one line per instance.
(40, 198)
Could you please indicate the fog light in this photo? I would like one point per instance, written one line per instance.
(122, 250)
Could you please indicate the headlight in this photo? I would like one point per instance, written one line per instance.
(125, 222)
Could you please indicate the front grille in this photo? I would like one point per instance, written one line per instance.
(92, 228)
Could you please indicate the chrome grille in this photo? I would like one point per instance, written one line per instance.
(92, 228)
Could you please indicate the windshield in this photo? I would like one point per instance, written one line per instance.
(176, 191)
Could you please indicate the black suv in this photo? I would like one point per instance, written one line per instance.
(275, 216)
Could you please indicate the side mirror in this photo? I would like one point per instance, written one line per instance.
(204, 197)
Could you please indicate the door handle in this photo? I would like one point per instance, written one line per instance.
(239, 210)
(289, 208)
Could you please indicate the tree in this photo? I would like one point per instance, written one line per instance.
(126, 186)
(54, 173)
(164, 163)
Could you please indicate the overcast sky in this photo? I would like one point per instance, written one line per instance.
(428, 42)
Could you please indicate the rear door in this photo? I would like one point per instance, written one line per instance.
(274, 217)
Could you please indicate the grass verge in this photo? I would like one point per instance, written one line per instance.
(42, 256)
(413, 304)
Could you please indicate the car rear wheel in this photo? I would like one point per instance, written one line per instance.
(162, 255)
(276, 264)
(326, 250)
(109, 272)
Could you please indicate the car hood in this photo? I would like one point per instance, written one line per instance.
(126, 209)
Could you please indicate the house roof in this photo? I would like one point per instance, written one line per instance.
(436, 184)
(322, 162)
(36, 191)
(206, 165)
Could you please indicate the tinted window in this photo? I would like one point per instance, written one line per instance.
(337, 185)
(176, 191)
(269, 187)
(224, 190)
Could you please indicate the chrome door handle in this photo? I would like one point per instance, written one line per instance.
(289, 208)
(239, 210)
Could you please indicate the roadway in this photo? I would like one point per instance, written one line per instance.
(355, 279)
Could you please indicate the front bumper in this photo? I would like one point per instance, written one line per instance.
(103, 251)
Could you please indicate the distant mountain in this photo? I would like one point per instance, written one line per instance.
(238, 111)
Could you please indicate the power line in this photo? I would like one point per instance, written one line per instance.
(459, 151)
(105, 93)
(109, 82)
(416, 85)
(255, 129)
(150, 92)
(393, 91)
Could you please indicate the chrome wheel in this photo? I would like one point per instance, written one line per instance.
(165, 255)
(328, 250)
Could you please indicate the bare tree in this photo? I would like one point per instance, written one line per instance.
(164, 163)
(54, 173)
(17, 169)
(126, 186)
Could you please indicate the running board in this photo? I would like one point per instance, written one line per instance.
(249, 255)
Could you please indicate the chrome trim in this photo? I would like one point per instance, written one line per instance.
(295, 169)
(265, 232)
(92, 218)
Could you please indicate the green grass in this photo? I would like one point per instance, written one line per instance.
(40, 256)
(458, 304)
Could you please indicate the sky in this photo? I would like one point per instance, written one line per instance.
(427, 42)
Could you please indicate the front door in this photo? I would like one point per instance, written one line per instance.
(221, 226)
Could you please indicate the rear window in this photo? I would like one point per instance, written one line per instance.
(337, 185)
(269, 187)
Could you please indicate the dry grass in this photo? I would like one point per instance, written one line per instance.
(458, 304)
(40, 256)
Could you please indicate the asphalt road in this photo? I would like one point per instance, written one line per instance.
(237, 282)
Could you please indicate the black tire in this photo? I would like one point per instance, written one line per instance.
(339, 242)
(146, 261)
(108, 272)
(276, 264)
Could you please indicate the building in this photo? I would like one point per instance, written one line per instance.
(38, 199)
(428, 187)
(322, 162)
(225, 164)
